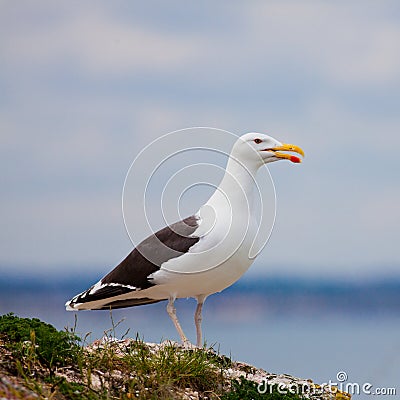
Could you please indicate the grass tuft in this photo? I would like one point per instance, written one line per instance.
(157, 371)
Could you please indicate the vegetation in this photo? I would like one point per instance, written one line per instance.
(32, 342)
(35, 358)
(244, 389)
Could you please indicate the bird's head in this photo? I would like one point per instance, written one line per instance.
(263, 149)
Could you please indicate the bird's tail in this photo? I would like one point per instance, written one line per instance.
(103, 296)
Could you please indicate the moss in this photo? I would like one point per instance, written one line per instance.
(32, 340)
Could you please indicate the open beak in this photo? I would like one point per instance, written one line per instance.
(287, 147)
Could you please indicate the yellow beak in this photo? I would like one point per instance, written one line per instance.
(288, 147)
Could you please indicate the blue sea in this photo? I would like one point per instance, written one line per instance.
(307, 329)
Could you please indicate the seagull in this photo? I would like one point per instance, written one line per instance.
(200, 255)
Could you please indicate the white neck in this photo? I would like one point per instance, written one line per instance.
(236, 189)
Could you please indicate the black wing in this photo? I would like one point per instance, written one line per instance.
(145, 259)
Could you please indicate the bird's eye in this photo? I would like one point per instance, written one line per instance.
(258, 141)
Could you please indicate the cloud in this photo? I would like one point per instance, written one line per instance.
(335, 42)
(330, 42)
(93, 42)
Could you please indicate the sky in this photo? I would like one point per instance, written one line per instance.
(86, 85)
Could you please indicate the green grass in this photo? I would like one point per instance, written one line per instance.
(245, 389)
(42, 357)
(35, 342)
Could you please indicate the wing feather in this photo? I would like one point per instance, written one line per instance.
(132, 274)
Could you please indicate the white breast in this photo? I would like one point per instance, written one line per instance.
(215, 262)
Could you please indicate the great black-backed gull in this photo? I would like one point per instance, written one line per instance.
(200, 255)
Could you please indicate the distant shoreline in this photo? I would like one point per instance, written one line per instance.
(275, 294)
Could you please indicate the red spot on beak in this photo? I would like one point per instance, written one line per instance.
(295, 159)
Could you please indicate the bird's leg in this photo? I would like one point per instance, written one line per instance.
(197, 320)
(171, 310)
